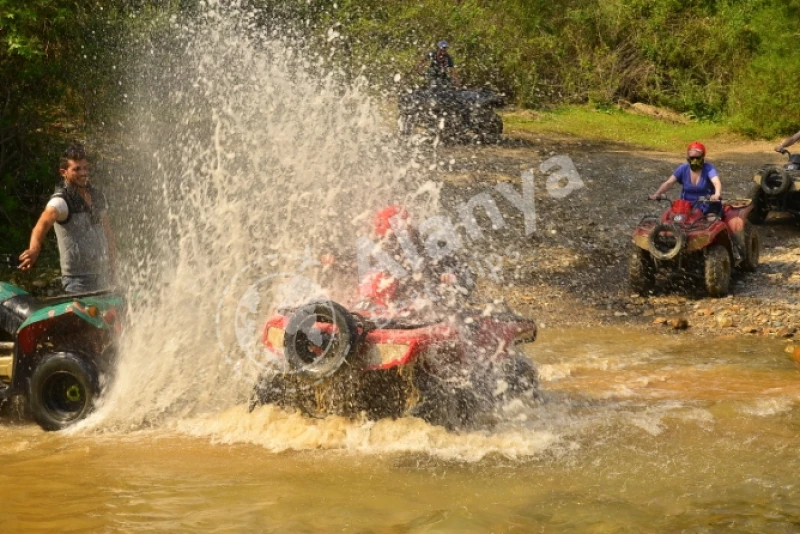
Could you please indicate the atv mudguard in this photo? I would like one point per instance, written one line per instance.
(8, 291)
(90, 309)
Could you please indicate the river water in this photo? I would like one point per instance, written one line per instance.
(637, 433)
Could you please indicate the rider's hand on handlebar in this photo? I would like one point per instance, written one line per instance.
(715, 198)
(781, 149)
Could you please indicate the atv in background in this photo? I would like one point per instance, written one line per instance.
(685, 242)
(454, 115)
(53, 351)
(383, 361)
(776, 189)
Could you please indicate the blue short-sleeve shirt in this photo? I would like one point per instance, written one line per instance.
(704, 187)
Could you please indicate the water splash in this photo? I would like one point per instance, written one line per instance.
(249, 152)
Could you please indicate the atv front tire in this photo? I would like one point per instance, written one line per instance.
(64, 388)
(488, 126)
(641, 271)
(717, 271)
(442, 403)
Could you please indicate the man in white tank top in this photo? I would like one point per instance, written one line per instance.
(78, 211)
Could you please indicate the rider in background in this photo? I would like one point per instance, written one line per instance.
(440, 67)
(698, 179)
(446, 279)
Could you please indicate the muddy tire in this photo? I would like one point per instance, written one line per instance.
(774, 182)
(521, 377)
(666, 241)
(64, 388)
(760, 209)
(488, 126)
(312, 352)
(641, 271)
(717, 271)
(752, 248)
(444, 404)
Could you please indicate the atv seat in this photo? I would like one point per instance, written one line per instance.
(15, 310)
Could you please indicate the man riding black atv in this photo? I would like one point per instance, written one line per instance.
(440, 66)
(448, 113)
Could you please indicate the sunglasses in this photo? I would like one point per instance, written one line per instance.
(695, 160)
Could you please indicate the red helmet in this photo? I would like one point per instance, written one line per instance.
(697, 146)
(381, 223)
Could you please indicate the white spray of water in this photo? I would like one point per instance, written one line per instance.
(251, 160)
(247, 152)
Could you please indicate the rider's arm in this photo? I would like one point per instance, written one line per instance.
(789, 142)
(717, 188)
(454, 76)
(672, 180)
(46, 221)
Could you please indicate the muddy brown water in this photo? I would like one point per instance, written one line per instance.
(638, 433)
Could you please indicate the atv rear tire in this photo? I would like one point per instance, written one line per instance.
(717, 271)
(641, 271)
(64, 387)
(752, 248)
(760, 209)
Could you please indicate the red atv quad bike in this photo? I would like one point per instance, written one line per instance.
(685, 242)
(386, 359)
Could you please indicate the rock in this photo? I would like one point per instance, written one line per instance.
(796, 354)
(791, 348)
(785, 332)
(724, 322)
(705, 312)
(39, 283)
(649, 313)
(678, 323)
(660, 320)
(749, 330)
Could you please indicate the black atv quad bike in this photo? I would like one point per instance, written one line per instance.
(453, 115)
(777, 188)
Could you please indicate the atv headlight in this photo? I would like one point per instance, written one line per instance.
(275, 337)
(386, 353)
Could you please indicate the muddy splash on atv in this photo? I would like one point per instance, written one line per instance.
(251, 159)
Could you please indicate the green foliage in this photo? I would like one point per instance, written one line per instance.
(693, 56)
(764, 98)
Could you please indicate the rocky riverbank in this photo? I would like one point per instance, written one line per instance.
(572, 271)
